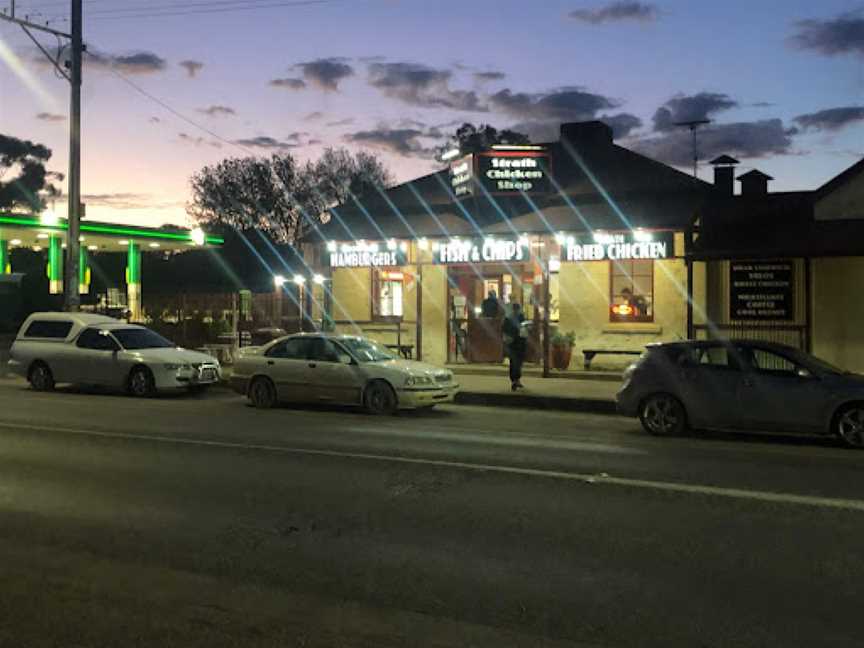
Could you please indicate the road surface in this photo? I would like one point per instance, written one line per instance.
(197, 521)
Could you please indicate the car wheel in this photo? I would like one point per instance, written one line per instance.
(380, 398)
(141, 383)
(262, 393)
(849, 425)
(663, 415)
(41, 378)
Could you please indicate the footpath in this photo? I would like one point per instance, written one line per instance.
(589, 393)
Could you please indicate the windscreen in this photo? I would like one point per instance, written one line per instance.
(366, 350)
(141, 338)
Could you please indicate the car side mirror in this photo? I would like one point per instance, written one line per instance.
(345, 359)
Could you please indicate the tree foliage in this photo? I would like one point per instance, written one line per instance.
(469, 138)
(25, 160)
(279, 196)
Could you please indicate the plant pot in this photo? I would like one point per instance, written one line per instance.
(560, 356)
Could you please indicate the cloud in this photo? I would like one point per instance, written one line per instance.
(314, 116)
(192, 67)
(341, 122)
(191, 139)
(756, 139)
(830, 119)
(841, 35)
(622, 124)
(129, 201)
(325, 73)
(567, 104)
(682, 108)
(265, 142)
(217, 111)
(50, 117)
(489, 76)
(402, 141)
(288, 83)
(420, 85)
(135, 63)
(617, 12)
(155, 120)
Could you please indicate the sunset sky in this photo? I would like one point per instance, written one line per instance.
(781, 80)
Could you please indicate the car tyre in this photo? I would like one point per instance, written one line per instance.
(663, 415)
(262, 393)
(380, 399)
(849, 425)
(41, 378)
(141, 383)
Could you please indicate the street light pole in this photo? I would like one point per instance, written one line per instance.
(72, 296)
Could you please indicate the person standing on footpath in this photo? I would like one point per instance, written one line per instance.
(515, 344)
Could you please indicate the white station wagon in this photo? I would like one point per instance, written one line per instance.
(87, 349)
(339, 369)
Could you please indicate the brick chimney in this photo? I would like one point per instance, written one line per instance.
(754, 183)
(588, 134)
(724, 174)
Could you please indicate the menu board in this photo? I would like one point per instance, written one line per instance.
(761, 290)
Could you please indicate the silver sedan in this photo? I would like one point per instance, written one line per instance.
(339, 369)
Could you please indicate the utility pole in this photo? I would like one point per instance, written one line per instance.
(72, 299)
(693, 125)
(73, 245)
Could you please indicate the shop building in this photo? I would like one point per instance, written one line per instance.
(588, 236)
(784, 266)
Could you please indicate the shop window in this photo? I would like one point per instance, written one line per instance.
(632, 291)
(387, 294)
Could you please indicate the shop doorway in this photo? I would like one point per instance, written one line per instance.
(479, 297)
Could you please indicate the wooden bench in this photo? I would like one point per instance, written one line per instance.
(405, 350)
(590, 353)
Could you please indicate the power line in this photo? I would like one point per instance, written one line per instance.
(177, 113)
(200, 9)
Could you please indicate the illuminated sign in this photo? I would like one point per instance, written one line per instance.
(620, 246)
(366, 256)
(761, 290)
(513, 172)
(461, 176)
(483, 251)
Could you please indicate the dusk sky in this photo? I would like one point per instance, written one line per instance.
(782, 81)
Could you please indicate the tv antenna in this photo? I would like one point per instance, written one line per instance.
(694, 124)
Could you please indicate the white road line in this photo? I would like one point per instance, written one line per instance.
(587, 478)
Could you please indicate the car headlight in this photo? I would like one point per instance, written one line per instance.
(417, 381)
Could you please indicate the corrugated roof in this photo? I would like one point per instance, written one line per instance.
(602, 187)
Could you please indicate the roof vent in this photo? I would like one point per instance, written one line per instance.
(724, 174)
(754, 183)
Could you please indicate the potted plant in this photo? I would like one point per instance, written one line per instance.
(561, 349)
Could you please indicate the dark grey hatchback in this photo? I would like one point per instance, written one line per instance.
(752, 386)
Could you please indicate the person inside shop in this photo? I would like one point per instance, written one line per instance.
(515, 339)
(638, 305)
(490, 306)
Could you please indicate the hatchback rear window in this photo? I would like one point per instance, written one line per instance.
(48, 329)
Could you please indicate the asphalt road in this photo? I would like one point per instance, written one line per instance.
(197, 521)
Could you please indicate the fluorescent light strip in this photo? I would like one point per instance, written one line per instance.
(110, 230)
